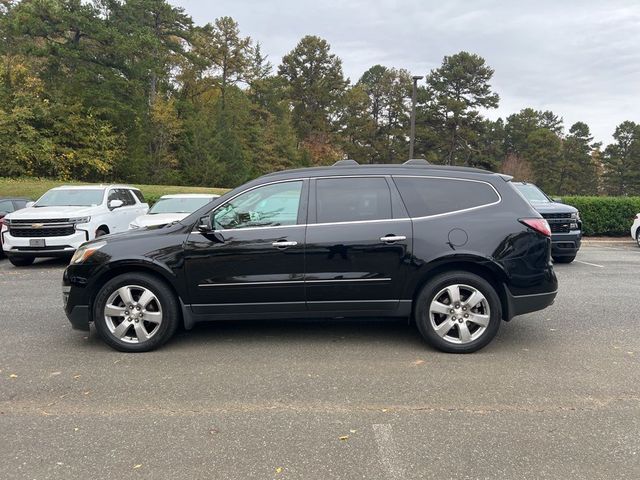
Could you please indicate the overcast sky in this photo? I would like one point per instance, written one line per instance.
(579, 58)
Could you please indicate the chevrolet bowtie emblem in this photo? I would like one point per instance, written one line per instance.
(37, 225)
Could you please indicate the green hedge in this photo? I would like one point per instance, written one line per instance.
(605, 216)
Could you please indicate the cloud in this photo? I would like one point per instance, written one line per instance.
(579, 58)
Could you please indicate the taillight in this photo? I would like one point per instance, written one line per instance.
(540, 225)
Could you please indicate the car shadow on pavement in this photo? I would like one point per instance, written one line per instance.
(40, 263)
(316, 331)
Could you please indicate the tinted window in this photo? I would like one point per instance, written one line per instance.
(121, 194)
(138, 194)
(432, 196)
(6, 206)
(268, 206)
(127, 197)
(352, 199)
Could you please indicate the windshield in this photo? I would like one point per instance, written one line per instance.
(532, 193)
(71, 198)
(179, 205)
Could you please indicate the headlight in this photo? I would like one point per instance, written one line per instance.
(80, 220)
(85, 251)
(575, 216)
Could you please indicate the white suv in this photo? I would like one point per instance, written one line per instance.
(65, 217)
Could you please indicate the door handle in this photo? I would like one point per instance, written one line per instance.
(392, 238)
(284, 244)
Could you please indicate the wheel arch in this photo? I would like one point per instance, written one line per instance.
(150, 268)
(480, 266)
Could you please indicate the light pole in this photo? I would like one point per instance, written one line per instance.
(412, 137)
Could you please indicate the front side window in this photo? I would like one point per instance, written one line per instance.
(72, 197)
(127, 197)
(268, 206)
(352, 199)
(433, 196)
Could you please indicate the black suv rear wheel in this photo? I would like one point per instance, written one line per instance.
(458, 312)
(135, 312)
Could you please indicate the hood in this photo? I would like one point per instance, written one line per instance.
(554, 207)
(37, 213)
(158, 219)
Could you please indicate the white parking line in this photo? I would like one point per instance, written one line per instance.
(388, 451)
(592, 264)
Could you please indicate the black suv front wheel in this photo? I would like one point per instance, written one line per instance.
(458, 312)
(135, 312)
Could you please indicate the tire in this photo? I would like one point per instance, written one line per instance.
(638, 237)
(568, 259)
(100, 233)
(158, 315)
(21, 261)
(487, 311)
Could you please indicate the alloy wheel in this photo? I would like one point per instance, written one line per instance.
(459, 314)
(133, 314)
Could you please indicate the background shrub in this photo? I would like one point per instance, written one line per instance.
(606, 216)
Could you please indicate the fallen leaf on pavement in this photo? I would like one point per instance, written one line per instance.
(279, 470)
(137, 466)
(418, 362)
(344, 437)
(77, 376)
(53, 374)
(13, 375)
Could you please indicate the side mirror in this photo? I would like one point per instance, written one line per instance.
(113, 204)
(29, 204)
(204, 225)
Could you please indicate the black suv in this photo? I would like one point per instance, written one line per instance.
(564, 221)
(457, 250)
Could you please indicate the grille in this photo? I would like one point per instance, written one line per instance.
(43, 220)
(555, 216)
(42, 232)
(559, 227)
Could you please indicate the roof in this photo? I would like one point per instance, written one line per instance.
(191, 195)
(15, 198)
(380, 169)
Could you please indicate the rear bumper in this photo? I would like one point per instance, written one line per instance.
(521, 304)
(565, 244)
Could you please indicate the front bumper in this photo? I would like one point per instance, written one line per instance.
(565, 244)
(75, 301)
(54, 246)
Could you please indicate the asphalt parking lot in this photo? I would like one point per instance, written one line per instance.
(556, 395)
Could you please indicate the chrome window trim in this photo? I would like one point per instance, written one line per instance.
(402, 219)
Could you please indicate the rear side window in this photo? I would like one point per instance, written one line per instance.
(352, 199)
(433, 196)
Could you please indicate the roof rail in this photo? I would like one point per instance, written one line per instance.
(416, 161)
(345, 163)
